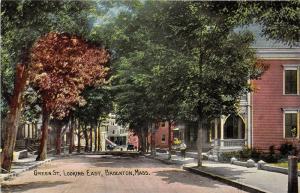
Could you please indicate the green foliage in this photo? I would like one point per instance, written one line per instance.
(98, 103)
(287, 149)
(279, 20)
(194, 39)
(23, 22)
(243, 155)
(255, 154)
(32, 105)
(271, 156)
(216, 61)
(226, 156)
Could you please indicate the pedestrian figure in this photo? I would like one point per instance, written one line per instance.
(183, 149)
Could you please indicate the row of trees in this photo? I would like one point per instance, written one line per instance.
(42, 59)
(170, 61)
(186, 60)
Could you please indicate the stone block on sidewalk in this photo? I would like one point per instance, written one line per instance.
(20, 155)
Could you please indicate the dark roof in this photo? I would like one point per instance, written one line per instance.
(261, 41)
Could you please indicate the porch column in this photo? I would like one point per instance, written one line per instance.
(222, 130)
(26, 130)
(249, 122)
(240, 127)
(29, 130)
(246, 128)
(32, 130)
(36, 130)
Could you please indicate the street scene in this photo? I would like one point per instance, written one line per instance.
(153, 176)
(150, 96)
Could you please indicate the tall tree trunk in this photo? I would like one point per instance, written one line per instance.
(169, 139)
(140, 138)
(156, 127)
(95, 137)
(151, 141)
(13, 116)
(147, 140)
(143, 141)
(86, 137)
(71, 135)
(199, 141)
(58, 139)
(200, 104)
(99, 136)
(43, 143)
(91, 138)
(78, 137)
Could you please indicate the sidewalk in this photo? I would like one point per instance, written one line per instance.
(175, 159)
(23, 165)
(249, 179)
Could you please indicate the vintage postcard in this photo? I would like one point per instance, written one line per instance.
(141, 96)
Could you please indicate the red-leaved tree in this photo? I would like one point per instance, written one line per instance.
(62, 65)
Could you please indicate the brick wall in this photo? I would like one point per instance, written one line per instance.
(158, 136)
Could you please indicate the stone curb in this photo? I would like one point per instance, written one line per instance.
(15, 174)
(225, 180)
(161, 160)
(271, 168)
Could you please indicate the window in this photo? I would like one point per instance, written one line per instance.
(163, 124)
(163, 138)
(291, 125)
(113, 132)
(291, 80)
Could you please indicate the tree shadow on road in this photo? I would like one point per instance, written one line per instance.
(187, 178)
(122, 162)
(231, 173)
(7, 188)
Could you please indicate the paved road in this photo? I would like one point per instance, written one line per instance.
(111, 174)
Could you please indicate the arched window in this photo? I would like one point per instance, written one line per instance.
(234, 128)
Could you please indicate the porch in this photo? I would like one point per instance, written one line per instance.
(228, 144)
(227, 134)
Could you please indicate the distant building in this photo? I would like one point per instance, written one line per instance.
(115, 133)
(118, 134)
(162, 135)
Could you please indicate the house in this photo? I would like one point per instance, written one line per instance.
(268, 116)
(162, 135)
(276, 101)
(115, 133)
(118, 134)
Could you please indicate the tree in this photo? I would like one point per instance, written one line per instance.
(99, 102)
(220, 60)
(59, 124)
(215, 60)
(165, 88)
(22, 23)
(279, 20)
(62, 66)
(216, 63)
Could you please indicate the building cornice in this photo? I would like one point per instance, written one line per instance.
(278, 53)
